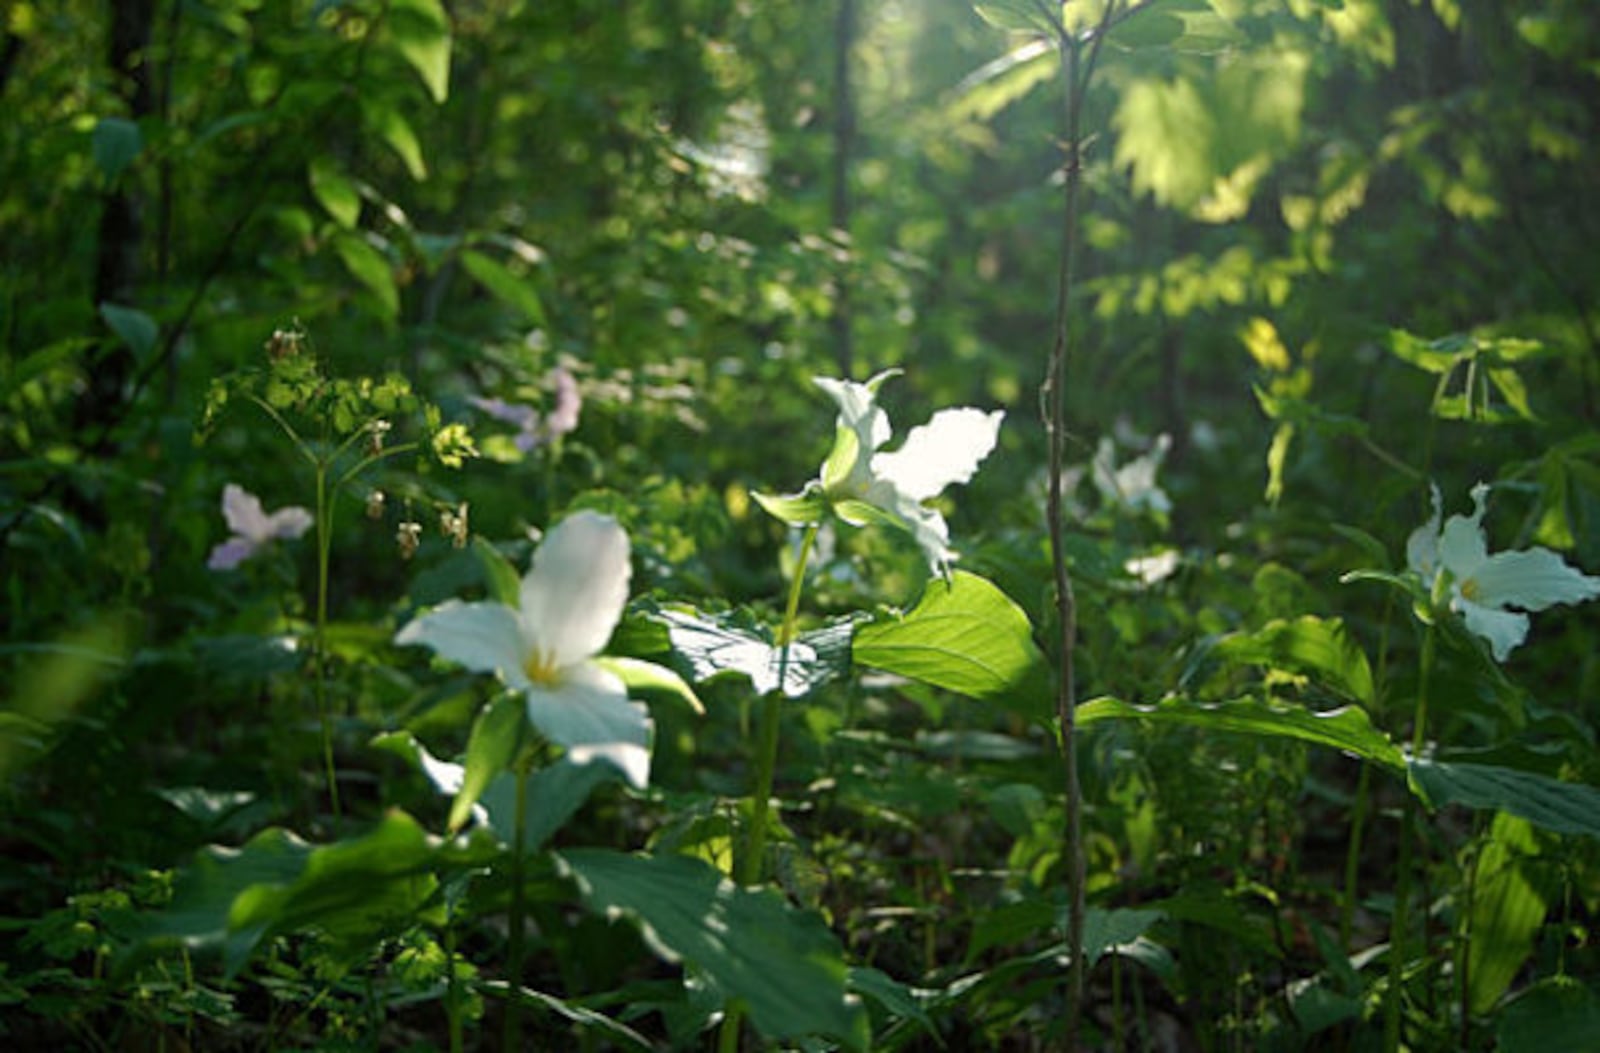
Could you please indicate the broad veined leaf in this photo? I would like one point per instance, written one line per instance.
(335, 192)
(1348, 728)
(503, 285)
(1107, 930)
(1507, 910)
(421, 32)
(728, 643)
(782, 963)
(1565, 807)
(1307, 644)
(230, 899)
(554, 795)
(995, 85)
(1558, 1013)
(966, 636)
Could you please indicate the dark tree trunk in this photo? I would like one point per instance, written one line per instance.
(110, 364)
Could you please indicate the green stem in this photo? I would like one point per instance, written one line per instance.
(515, 919)
(324, 550)
(750, 867)
(751, 864)
(1402, 891)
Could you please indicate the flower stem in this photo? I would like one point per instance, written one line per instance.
(515, 917)
(751, 864)
(1402, 891)
(324, 549)
(750, 867)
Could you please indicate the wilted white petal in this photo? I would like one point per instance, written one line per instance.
(288, 522)
(589, 714)
(1462, 548)
(573, 595)
(243, 512)
(1503, 629)
(231, 553)
(859, 410)
(1422, 547)
(1533, 580)
(947, 449)
(483, 637)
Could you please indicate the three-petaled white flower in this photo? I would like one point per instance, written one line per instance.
(1482, 587)
(252, 528)
(544, 648)
(1132, 486)
(864, 485)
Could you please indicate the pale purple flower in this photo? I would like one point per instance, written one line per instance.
(532, 429)
(253, 529)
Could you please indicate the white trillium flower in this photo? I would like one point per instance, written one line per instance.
(253, 529)
(570, 602)
(1482, 587)
(1132, 486)
(860, 481)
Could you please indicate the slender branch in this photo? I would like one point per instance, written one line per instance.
(1076, 70)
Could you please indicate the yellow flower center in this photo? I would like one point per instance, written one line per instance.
(542, 669)
(1469, 590)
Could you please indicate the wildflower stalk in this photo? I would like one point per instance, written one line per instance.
(516, 915)
(1077, 66)
(750, 867)
(1402, 890)
(326, 497)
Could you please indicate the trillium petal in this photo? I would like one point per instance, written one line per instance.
(589, 713)
(288, 522)
(573, 595)
(482, 637)
(1462, 548)
(859, 410)
(1503, 629)
(243, 513)
(948, 449)
(1532, 580)
(1422, 547)
(231, 553)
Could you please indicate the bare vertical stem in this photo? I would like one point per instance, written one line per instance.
(1076, 68)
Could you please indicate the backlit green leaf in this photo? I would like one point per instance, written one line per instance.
(335, 192)
(505, 286)
(421, 31)
(782, 963)
(496, 736)
(1307, 644)
(964, 635)
(371, 268)
(1348, 729)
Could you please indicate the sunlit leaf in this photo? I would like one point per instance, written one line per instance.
(1506, 910)
(728, 643)
(335, 192)
(1307, 644)
(1348, 729)
(964, 635)
(640, 675)
(421, 31)
(782, 963)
